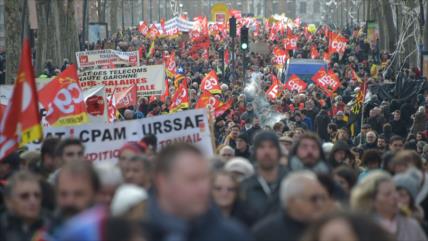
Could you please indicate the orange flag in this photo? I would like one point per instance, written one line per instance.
(210, 83)
(20, 123)
(63, 99)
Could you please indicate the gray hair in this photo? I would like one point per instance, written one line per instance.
(293, 185)
(109, 174)
(226, 148)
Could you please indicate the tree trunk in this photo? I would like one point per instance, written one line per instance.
(114, 6)
(426, 30)
(410, 44)
(42, 34)
(70, 37)
(13, 22)
(388, 23)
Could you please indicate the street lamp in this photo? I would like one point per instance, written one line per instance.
(181, 8)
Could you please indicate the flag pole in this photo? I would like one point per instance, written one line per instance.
(363, 107)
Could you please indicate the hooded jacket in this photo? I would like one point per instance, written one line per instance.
(338, 146)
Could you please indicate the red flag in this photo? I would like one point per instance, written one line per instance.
(326, 81)
(297, 22)
(2, 109)
(111, 108)
(126, 98)
(290, 43)
(326, 57)
(280, 55)
(223, 107)
(295, 83)
(314, 52)
(162, 23)
(170, 65)
(226, 57)
(20, 123)
(180, 100)
(153, 32)
(235, 13)
(274, 91)
(143, 29)
(166, 94)
(206, 99)
(210, 83)
(63, 99)
(337, 43)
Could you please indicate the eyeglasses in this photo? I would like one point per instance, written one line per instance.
(71, 154)
(227, 189)
(316, 198)
(26, 195)
(227, 154)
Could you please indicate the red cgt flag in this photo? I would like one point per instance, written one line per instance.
(180, 100)
(63, 99)
(295, 83)
(280, 56)
(20, 123)
(206, 99)
(143, 29)
(223, 107)
(210, 83)
(314, 53)
(126, 98)
(170, 65)
(337, 43)
(274, 91)
(326, 81)
(290, 43)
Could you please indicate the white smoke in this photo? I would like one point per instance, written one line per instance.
(255, 93)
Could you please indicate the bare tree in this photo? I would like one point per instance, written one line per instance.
(114, 7)
(57, 36)
(388, 24)
(13, 23)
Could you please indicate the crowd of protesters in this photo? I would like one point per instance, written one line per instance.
(302, 167)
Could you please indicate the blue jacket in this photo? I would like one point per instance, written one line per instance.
(210, 226)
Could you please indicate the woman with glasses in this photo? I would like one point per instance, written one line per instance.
(376, 195)
(23, 217)
(225, 189)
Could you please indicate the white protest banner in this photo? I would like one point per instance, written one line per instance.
(150, 79)
(103, 140)
(106, 57)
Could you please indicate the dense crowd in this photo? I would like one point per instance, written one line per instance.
(304, 166)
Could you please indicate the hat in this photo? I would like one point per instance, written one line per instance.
(241, 165)
(408, 182)
(366, 126)
(327, 147)
(340, 113)
(126, 197)
(243, 136)
(265, 136)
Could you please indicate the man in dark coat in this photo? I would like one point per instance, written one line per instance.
(398, 125)
(320, 125)
(180, 209)
(303, 201)
(260, 192)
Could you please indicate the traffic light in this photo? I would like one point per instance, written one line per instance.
(244, 38)
(232, 27)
